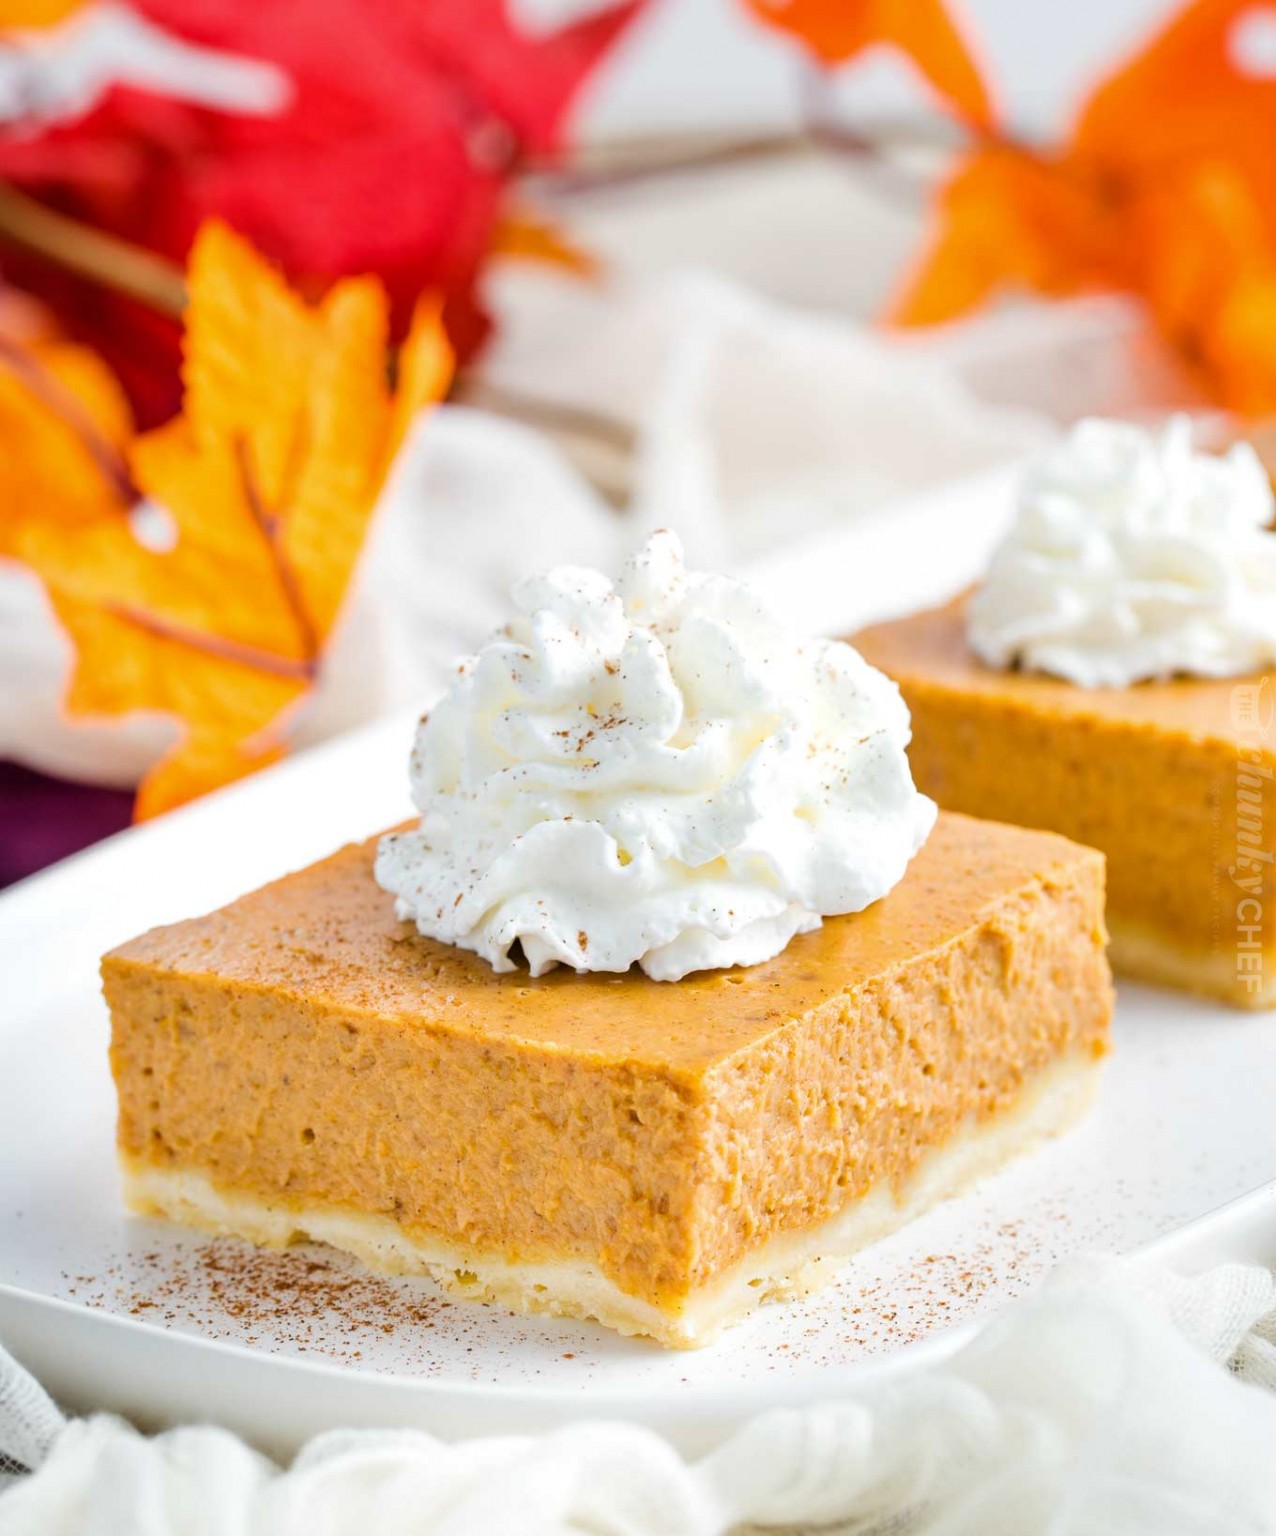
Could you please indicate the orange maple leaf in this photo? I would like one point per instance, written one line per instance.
(1164, 189)
(923, 30)
(268, 476)
(1188, 95)
(1010, 216)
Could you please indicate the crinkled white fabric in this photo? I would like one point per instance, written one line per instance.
(1120, 1401)
(652, 772)
(755, 424)
(1134, 557)
(29, 1419)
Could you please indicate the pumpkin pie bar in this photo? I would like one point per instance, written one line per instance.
(1174, 780)
(659, 1157)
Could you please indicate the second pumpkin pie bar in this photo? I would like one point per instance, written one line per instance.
(1174, 780)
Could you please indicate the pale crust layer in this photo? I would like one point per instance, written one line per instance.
(1138, 952)
(791, 1264)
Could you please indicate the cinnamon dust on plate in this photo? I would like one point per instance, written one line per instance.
(308, 1297)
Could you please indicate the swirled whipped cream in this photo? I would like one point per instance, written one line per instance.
(1133, 557)
(652, 772)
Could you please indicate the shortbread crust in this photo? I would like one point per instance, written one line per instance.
(1136, 950)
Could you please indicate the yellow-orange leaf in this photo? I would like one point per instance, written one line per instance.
(923, 30)
(230, 710)
(269, 478)
(424, 370)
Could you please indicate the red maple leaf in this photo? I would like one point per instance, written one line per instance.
(407, 122)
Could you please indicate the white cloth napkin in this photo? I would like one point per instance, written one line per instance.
(754, 426)
(1118, 1401)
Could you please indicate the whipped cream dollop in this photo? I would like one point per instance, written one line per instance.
(1134, 557)
(652, 772)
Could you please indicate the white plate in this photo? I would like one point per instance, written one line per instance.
(112, 1311)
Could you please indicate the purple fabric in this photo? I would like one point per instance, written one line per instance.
(43, 819)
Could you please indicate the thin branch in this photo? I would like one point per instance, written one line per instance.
(621, 162)
(80, 248)
(601, 448)
(675, 158)
(575, 421)
(658, 152)
(868, 150)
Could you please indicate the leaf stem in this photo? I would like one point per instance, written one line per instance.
(38, 381)
(268, 523)
(224, 649)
